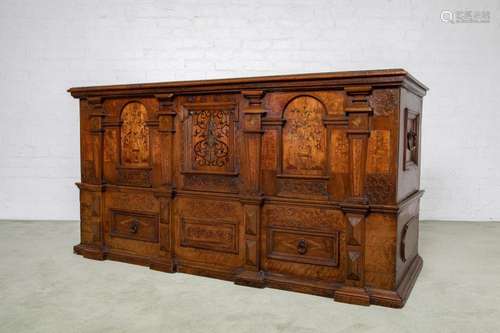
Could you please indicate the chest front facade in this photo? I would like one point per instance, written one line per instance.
(307, 187)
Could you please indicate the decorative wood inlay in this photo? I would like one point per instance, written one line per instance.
(340, 152)
(357, 165)
(213, 235)
(134, 135)
(110, 145)
(304, 137)
(211, 138)
(316, 219)
(269, 150)
(209, 129)
(306, 188)
(211, 182)
(378, 188)
(384, 101)
(166, 129)
(140, 176)
(293, 182)
(379, 152)
(90, 215)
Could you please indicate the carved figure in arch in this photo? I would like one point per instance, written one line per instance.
(304, 137)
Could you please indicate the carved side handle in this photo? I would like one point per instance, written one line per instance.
(302, 247)
(411, 139)
(402, 246)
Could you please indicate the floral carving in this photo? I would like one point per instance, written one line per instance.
(210, 135)
(134, 135)
(378, 188)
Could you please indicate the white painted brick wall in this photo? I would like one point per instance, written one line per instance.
(48, 46)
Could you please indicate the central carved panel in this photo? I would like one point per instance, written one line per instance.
(304, 137)
(211, 138)
(210, 135)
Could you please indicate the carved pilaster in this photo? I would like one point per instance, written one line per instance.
(250, 173)
(96, 130)
(358, 113)
(166, 130)
(165, 261)
(91, 228)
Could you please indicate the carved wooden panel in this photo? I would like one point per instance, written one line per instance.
(304, 137)
(210, 137)
(305, 247)
(214, 235)
(134, 135)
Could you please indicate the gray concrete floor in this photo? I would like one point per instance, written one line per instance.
(46, 288)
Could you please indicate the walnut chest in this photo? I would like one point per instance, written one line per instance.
(302, 182)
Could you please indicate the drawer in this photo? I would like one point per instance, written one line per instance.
(303, 247)
(134, 225)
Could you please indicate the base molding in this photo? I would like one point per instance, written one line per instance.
(345, 294)
(352, 295)
(166, 265)
(250, 279)
(89, 251)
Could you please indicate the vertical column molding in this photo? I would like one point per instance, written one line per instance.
(252, 199)
(96, 121)
(166, 130)
(358, 112)
(92, 186)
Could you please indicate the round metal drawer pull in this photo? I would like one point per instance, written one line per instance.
(302, 247)
(134, 227)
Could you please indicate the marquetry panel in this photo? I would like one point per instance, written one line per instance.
(134, 135)
(209, 234)
(379, 152)
(304, 138)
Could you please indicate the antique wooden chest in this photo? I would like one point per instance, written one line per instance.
(302, 182)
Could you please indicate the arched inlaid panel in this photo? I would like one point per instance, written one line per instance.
(304, 138)
(134, 135)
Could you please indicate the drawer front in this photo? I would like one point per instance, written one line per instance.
(303, 247)
(134, 225)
